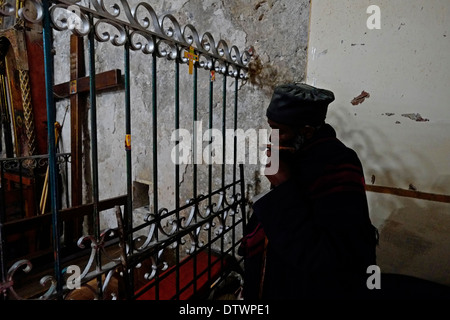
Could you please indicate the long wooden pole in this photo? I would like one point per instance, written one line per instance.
(44, 194)
(409, 193)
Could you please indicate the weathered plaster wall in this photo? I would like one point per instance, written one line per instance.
(405, 67)
(278, 33)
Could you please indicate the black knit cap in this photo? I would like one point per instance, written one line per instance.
(299, 104)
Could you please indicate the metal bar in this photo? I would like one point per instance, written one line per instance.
(233, 218)
(236, 93)
(94, 151)
(195, 169)
(177, 178)
(195, 118)
(128, 212)
(243, 202)
(3, 193)
(224, 127)
(155, 153)
(51, 118)
(155, 134)
(35, 157)
(2, 241)
(210, 125)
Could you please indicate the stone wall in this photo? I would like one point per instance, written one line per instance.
(277, 32)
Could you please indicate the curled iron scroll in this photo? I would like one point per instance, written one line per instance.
(130, 23)
(26, 267)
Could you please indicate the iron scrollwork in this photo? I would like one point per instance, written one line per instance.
(142, 29)
(26, 267)
(194, 220)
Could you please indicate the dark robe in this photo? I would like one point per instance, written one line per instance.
(315, 228)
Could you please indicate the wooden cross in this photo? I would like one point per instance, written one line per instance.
(78, 89)
(192, 57)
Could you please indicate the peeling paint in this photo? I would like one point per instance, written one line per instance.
(360, 99)
(415, 116)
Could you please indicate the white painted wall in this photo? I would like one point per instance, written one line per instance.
(405, 67)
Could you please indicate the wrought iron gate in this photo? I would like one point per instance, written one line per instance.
(175, 252)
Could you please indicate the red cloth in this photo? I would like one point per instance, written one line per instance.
(167, 285)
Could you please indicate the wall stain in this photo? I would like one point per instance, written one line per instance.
(262, 75)
(360, 99)
(415, 116)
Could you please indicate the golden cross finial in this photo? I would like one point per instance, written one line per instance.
(192, 57)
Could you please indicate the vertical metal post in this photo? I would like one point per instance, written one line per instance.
(155, 134)
(195, 118)
(243, 201)
(194, 178)
(94, 149)
(2, 242)
(224, 124)
(93, 107)
(155, 154)
(51, 118)
(224, 127)
(128, 212)
(236, 89)
(233, 218)
(177, 178)
(210, 125)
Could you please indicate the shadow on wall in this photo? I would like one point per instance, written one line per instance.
(414, 234)
(390, 168)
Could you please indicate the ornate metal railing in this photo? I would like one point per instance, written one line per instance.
(166, 240)
(163, 35)
(22, 175)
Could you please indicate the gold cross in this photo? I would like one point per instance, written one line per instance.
(192, 57)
